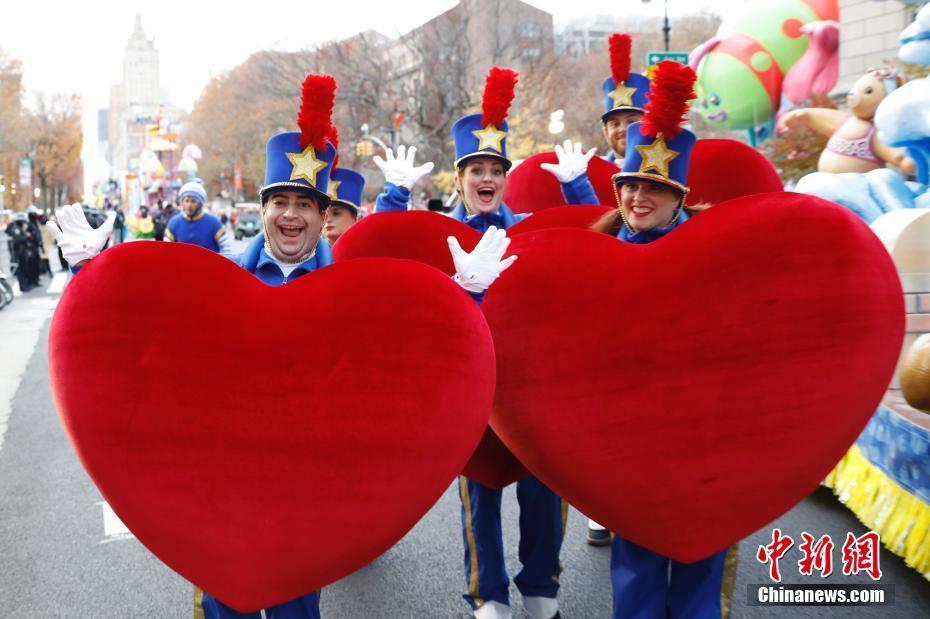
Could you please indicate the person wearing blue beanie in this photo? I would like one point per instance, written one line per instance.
(194, 226)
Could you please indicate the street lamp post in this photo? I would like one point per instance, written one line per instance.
(666, 28)
(366, 135)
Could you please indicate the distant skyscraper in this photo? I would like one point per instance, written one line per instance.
(134, 102)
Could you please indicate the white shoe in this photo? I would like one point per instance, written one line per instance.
(541, 608)
(493, 610)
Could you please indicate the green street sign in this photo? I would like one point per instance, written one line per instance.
(654, 58)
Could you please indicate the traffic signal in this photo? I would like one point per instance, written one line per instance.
(364, 149)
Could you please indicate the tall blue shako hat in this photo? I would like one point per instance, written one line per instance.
(623, 91)
(658, 148)
(345, 188)
(485, 134)
(345, 185)
(303, 161)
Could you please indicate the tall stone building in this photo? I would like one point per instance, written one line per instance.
(135, 101)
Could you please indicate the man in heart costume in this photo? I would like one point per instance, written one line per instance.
(294, 199)
(650, 191)
(625, 98)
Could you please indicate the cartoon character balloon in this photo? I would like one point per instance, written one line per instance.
(771, 48)
(902, 120)
(854, 145)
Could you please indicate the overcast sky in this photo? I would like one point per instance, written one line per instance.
(72, 46)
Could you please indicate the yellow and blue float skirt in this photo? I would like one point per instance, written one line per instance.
(884, 479)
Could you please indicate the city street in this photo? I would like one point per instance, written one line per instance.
(65, 554)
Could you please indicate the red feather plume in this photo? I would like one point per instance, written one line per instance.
(620, 57)
(498, 95)
(317, 97)
(672, 87)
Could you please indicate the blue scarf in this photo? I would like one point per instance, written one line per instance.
(503, 218)
(648, 236)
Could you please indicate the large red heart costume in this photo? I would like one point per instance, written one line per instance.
(687, 392)
(421, 236)
(239, 436)
(719, 170)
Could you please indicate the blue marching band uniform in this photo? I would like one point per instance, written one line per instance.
(645, 583)
(285, 166)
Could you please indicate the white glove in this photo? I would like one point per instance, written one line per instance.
(573, 162)
(475, 272)
(400, 170)
(75, 236)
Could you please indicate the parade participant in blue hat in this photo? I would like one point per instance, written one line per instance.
(194, 226)
(625, 97)
(345, 192)
(293, 198)
(480, 176)
(650, 191)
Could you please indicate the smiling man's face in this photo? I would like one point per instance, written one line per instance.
(292, 222)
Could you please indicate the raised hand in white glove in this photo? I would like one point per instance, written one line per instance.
(573, 161)
(475, 272)
(400, 170)
(78, 241)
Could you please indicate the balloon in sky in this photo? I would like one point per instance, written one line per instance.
(767, 50)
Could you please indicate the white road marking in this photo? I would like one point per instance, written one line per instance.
(58, 283)
(113, 527)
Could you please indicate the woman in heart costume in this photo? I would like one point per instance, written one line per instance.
(481, 175)
(650, 191)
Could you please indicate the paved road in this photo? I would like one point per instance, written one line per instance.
(60, 557)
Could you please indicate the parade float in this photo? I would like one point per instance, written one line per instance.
(885, 476)
(768, 56)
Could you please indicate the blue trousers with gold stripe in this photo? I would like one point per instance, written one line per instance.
(542, 526)
(305, 607)
(645, 587)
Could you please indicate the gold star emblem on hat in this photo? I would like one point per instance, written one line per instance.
(490, 137)
(656, 156)
(306, 165)
(622, 95)
(333, 190)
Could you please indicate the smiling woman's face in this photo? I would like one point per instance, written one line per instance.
(647, 205)
(480, 184)
(292, 222)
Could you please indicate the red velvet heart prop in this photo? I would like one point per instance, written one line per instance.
(560, 217)
(530, 189)
(244, 436)
(413, 235)
(421, 236)
(720, 170)
(725, 169)
(687, 392)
